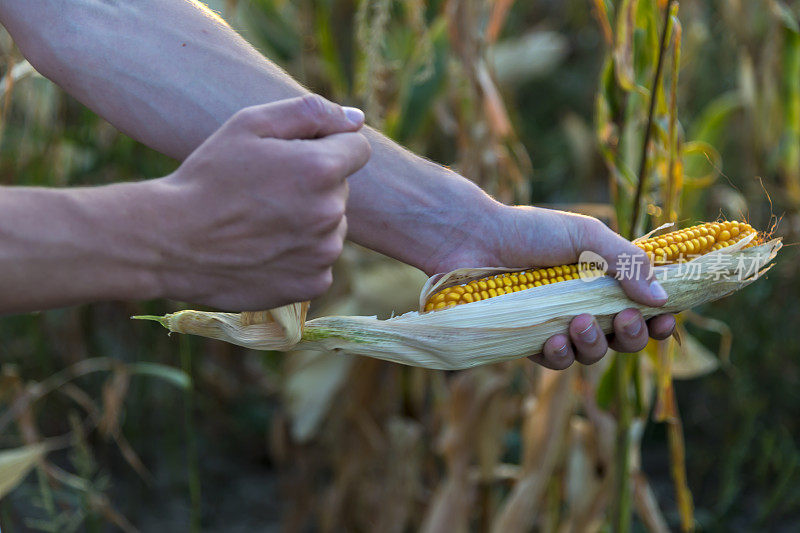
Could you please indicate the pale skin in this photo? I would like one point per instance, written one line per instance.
(170, 74)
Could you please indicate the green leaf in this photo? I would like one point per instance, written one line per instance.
(713, 120)
(702, 165)
(16, 463)
(160, 319)
(172, 375)
(419, 96)
(623, 47)
(646, 45)
(330, 56)
(607, 386)
(790, 140)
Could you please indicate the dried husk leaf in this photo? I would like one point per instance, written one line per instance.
(313, 379)
(16, 463)
(498, 329)
(692, 359)
(290, 317)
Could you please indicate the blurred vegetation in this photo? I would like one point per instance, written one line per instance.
(544, 102)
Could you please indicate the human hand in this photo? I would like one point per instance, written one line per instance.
(527, 236)
(255, 216)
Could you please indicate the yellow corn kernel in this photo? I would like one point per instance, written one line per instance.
(676, 246)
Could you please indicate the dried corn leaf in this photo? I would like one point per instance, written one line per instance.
(313, 380)
(545, 432)
(692, 359)
(15, 465)
(647, 504)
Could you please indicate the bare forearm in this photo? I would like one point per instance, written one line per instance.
(168, 73)
(68, 246)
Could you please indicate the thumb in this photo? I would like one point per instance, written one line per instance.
(305, 117)
(629, 264)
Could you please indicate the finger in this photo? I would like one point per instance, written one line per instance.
(341, 229)
(588, 339)
(628, 263)
(661, 327)
(337, 156)
(630, 332)
(305, 117)
(557, 353)
(342, 191)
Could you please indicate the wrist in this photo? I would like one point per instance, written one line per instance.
(473, 234)
(152, 224)
(129, 221)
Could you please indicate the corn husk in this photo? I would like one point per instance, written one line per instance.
(497, 329)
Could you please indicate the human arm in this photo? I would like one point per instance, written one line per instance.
(253, 218)
(168, 72)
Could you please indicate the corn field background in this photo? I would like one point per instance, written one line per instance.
(108, 424)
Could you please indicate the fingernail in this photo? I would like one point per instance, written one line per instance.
(562, 351)
(589, 335)
(658, 291)
(354, 115)
(633, 328)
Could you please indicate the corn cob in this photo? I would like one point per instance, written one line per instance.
(470, 335)
(673, 247)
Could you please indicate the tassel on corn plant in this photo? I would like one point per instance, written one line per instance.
(512, 320)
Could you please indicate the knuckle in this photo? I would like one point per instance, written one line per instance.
(328, 215)
(325, 166)
(590, 232)
(313, 284)
(356, 143)
(594, 226)
(361, 144)
(364, 149)
(244, 117)
(320, 284)
(330, 249)
(314, 106)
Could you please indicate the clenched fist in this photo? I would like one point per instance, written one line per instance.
(257, 212)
